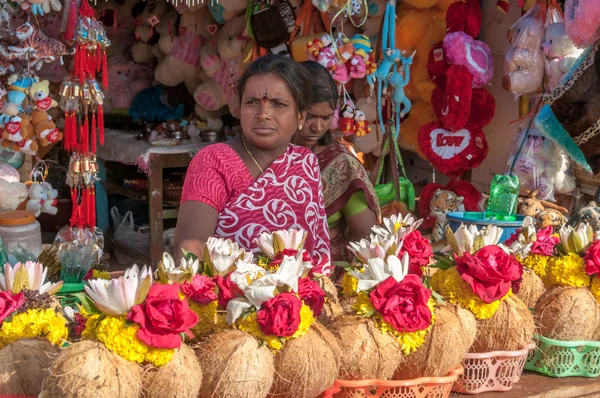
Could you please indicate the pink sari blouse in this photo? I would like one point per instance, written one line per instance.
(287, 195)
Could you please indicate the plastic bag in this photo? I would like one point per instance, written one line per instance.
(524, 62)
(127, 236)
(79, 249)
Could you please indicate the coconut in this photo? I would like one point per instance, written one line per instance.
(332, 307)
(23, 365)
(329, 339)
(89, 369)
(180, 378)
(235, 366)
(469, 323)
(444, 348)
(509, 329)
(531, 289)
(367, 353)
(596, 336)
(305, 368)
(567, 313)
(347, 304)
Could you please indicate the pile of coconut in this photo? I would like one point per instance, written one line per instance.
(570, 308)
(483, 277)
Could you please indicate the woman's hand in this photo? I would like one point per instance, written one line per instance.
(195, 224)
(359, 225)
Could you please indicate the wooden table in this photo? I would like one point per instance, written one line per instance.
(534, 385)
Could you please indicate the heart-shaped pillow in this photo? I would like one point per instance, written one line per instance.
(452, 104)
(475, 55)
(453, 153)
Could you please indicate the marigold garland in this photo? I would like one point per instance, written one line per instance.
(455, 290)
(567, 270)
(349, 285)
(275, 343)
(209, 319)
(100, 274)
(595, 288)
(122, 340)
(409, 341)
(46, 323)
(535, 262)
(265, 263)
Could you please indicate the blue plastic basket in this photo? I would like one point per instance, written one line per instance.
(481, 220)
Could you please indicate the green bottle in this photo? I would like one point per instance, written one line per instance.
(3, 255)
(504, 196)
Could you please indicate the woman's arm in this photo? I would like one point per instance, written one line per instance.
(359, 217)
(196, 223)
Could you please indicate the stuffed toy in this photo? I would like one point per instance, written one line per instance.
(420, 114)
(582, 21)
(40, 94)
(476, 56)
(37, 197)
(524, 61)
(442, 203)
(12, 194)
(534, 204)
(49, 205)
(149, 106)
(464, 17)
(225, 11)
(19, 135)
(560, 53)
(361, 125)
(346, 124)
(11, 108)
(45, 129)
(122, 87)
(452, 104)
(223, 66)
(149, 18)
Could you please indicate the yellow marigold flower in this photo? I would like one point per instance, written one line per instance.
(122, 340)
(207, 318)
(265, 263)
(454, 289)
(567, 270)
(34, 323)
(349, 284)
(100, 275)
(363, 305)
(535, 262)
(595, 288)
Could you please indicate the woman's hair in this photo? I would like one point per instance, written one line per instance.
(323, 85)
(291, 72)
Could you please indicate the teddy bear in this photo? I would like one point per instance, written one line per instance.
(123, 86)
(582, 22)
(39, 92)
(49, 205)
(560, 53)
(37, 197)
(45, 129)
(223, 65)
(524, 62)
(19, 135)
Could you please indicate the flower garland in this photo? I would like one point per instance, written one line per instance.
(46, 323)
(409, 341)
(455, 290)
(249, 324)
(567, 270)
(122, 339)
(535, 262)
(349, 284)
(210, 320)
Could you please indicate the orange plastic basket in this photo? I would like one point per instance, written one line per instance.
(491, 371)
(424, 387)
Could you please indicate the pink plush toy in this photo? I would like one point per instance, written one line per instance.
(358, 68)
(475, 55)
(123, 86)
(341, 74)
(582, 21)
(524, 62)
(560, 53)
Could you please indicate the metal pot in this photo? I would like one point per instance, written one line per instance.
(213, 136)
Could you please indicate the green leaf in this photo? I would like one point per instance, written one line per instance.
(438, 297)
(183, 336)
(247, 313)
(343, 264)
(189, 255)
(207, 269)
(128, 323)
(86, 303)
(369, 314)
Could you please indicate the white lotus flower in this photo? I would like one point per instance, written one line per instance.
(397, 225)
(259, 286)
(272, 244)
(168, 272)
(576, 240)
(527, 236)
(220, 255)
(30, 275)
(379, 246)
(470, 240)
(376, 270)
(116, 297)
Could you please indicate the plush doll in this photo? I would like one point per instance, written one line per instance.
(476, 56)
(361, 125)
(473, 200)
(346, 123)
(12, 194)
(45, 129)
(120, 91)
(341, 74)
(149, 18)
(524, 62)
(420, 114)
(358, 68)
(442, 203)
(362, 46)
(37, 197)
(11, 108)
(49, 205)
(19, 135)
(582, 21)
(452, 104)
(464, 17)
(560, 53)
(40, 94)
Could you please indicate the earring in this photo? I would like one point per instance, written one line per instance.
(300, 127)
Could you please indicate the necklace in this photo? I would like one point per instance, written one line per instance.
(250, 153)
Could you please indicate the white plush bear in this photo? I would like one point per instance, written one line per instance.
(560, 53)
(49, 205)
(37, 196)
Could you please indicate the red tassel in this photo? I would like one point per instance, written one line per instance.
(67, 137)
(104, 71)
(98, 60)
(74, 132)
(94, 132)
(93, 208)
(86, 135)
(71, 21)
(101, 123)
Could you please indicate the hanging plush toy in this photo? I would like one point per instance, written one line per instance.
(35, 47)
(346, 123)
(560, 53)
(40, 94)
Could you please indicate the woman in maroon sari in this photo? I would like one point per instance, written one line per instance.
(259, 182)
(350, 198)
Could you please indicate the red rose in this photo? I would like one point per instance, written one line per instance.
(10, 303)
(592, 259)
(403, 304)
(490, 272)
(279, 257)
(419, 251)
(311, 293)
(227, 290)
(513, 238)
(162, 317)
(89, 275)
(201, 290)
(280, 316)
(545, 242)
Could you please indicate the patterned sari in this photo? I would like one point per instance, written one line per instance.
(342, 176)
(287, 195)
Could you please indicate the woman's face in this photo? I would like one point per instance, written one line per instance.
(268, 112)
(318, 121)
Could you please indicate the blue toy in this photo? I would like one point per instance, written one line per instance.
(399, 80)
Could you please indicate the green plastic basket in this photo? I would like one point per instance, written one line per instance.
(556, 358)
(66, 294)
